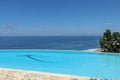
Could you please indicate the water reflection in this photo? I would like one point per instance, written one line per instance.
(31, 56)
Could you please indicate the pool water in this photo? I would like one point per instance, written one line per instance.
(91, 64)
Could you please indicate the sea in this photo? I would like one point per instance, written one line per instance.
(50, 42)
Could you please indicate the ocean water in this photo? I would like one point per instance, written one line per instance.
(50, 42)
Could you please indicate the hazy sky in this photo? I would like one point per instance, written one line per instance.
(58, 17)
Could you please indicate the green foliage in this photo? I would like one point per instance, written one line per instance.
(110, 42)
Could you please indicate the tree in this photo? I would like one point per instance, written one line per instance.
(110, 42)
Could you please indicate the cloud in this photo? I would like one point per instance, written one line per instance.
(9, 26)
(6, 29)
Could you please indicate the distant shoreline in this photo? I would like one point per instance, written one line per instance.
(99, 50)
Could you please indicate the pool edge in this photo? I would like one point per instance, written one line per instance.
(15, 74)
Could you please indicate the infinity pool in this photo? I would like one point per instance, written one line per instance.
(91, 64)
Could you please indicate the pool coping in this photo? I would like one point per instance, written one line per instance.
(14, 74)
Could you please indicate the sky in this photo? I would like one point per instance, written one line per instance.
(58, 17)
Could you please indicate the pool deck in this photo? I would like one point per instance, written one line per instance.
(13, 74)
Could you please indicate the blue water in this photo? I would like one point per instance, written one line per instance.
(64, 62)
(50, 42)
(90, 64)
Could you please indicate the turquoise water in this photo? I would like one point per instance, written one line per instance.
(92, 64)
